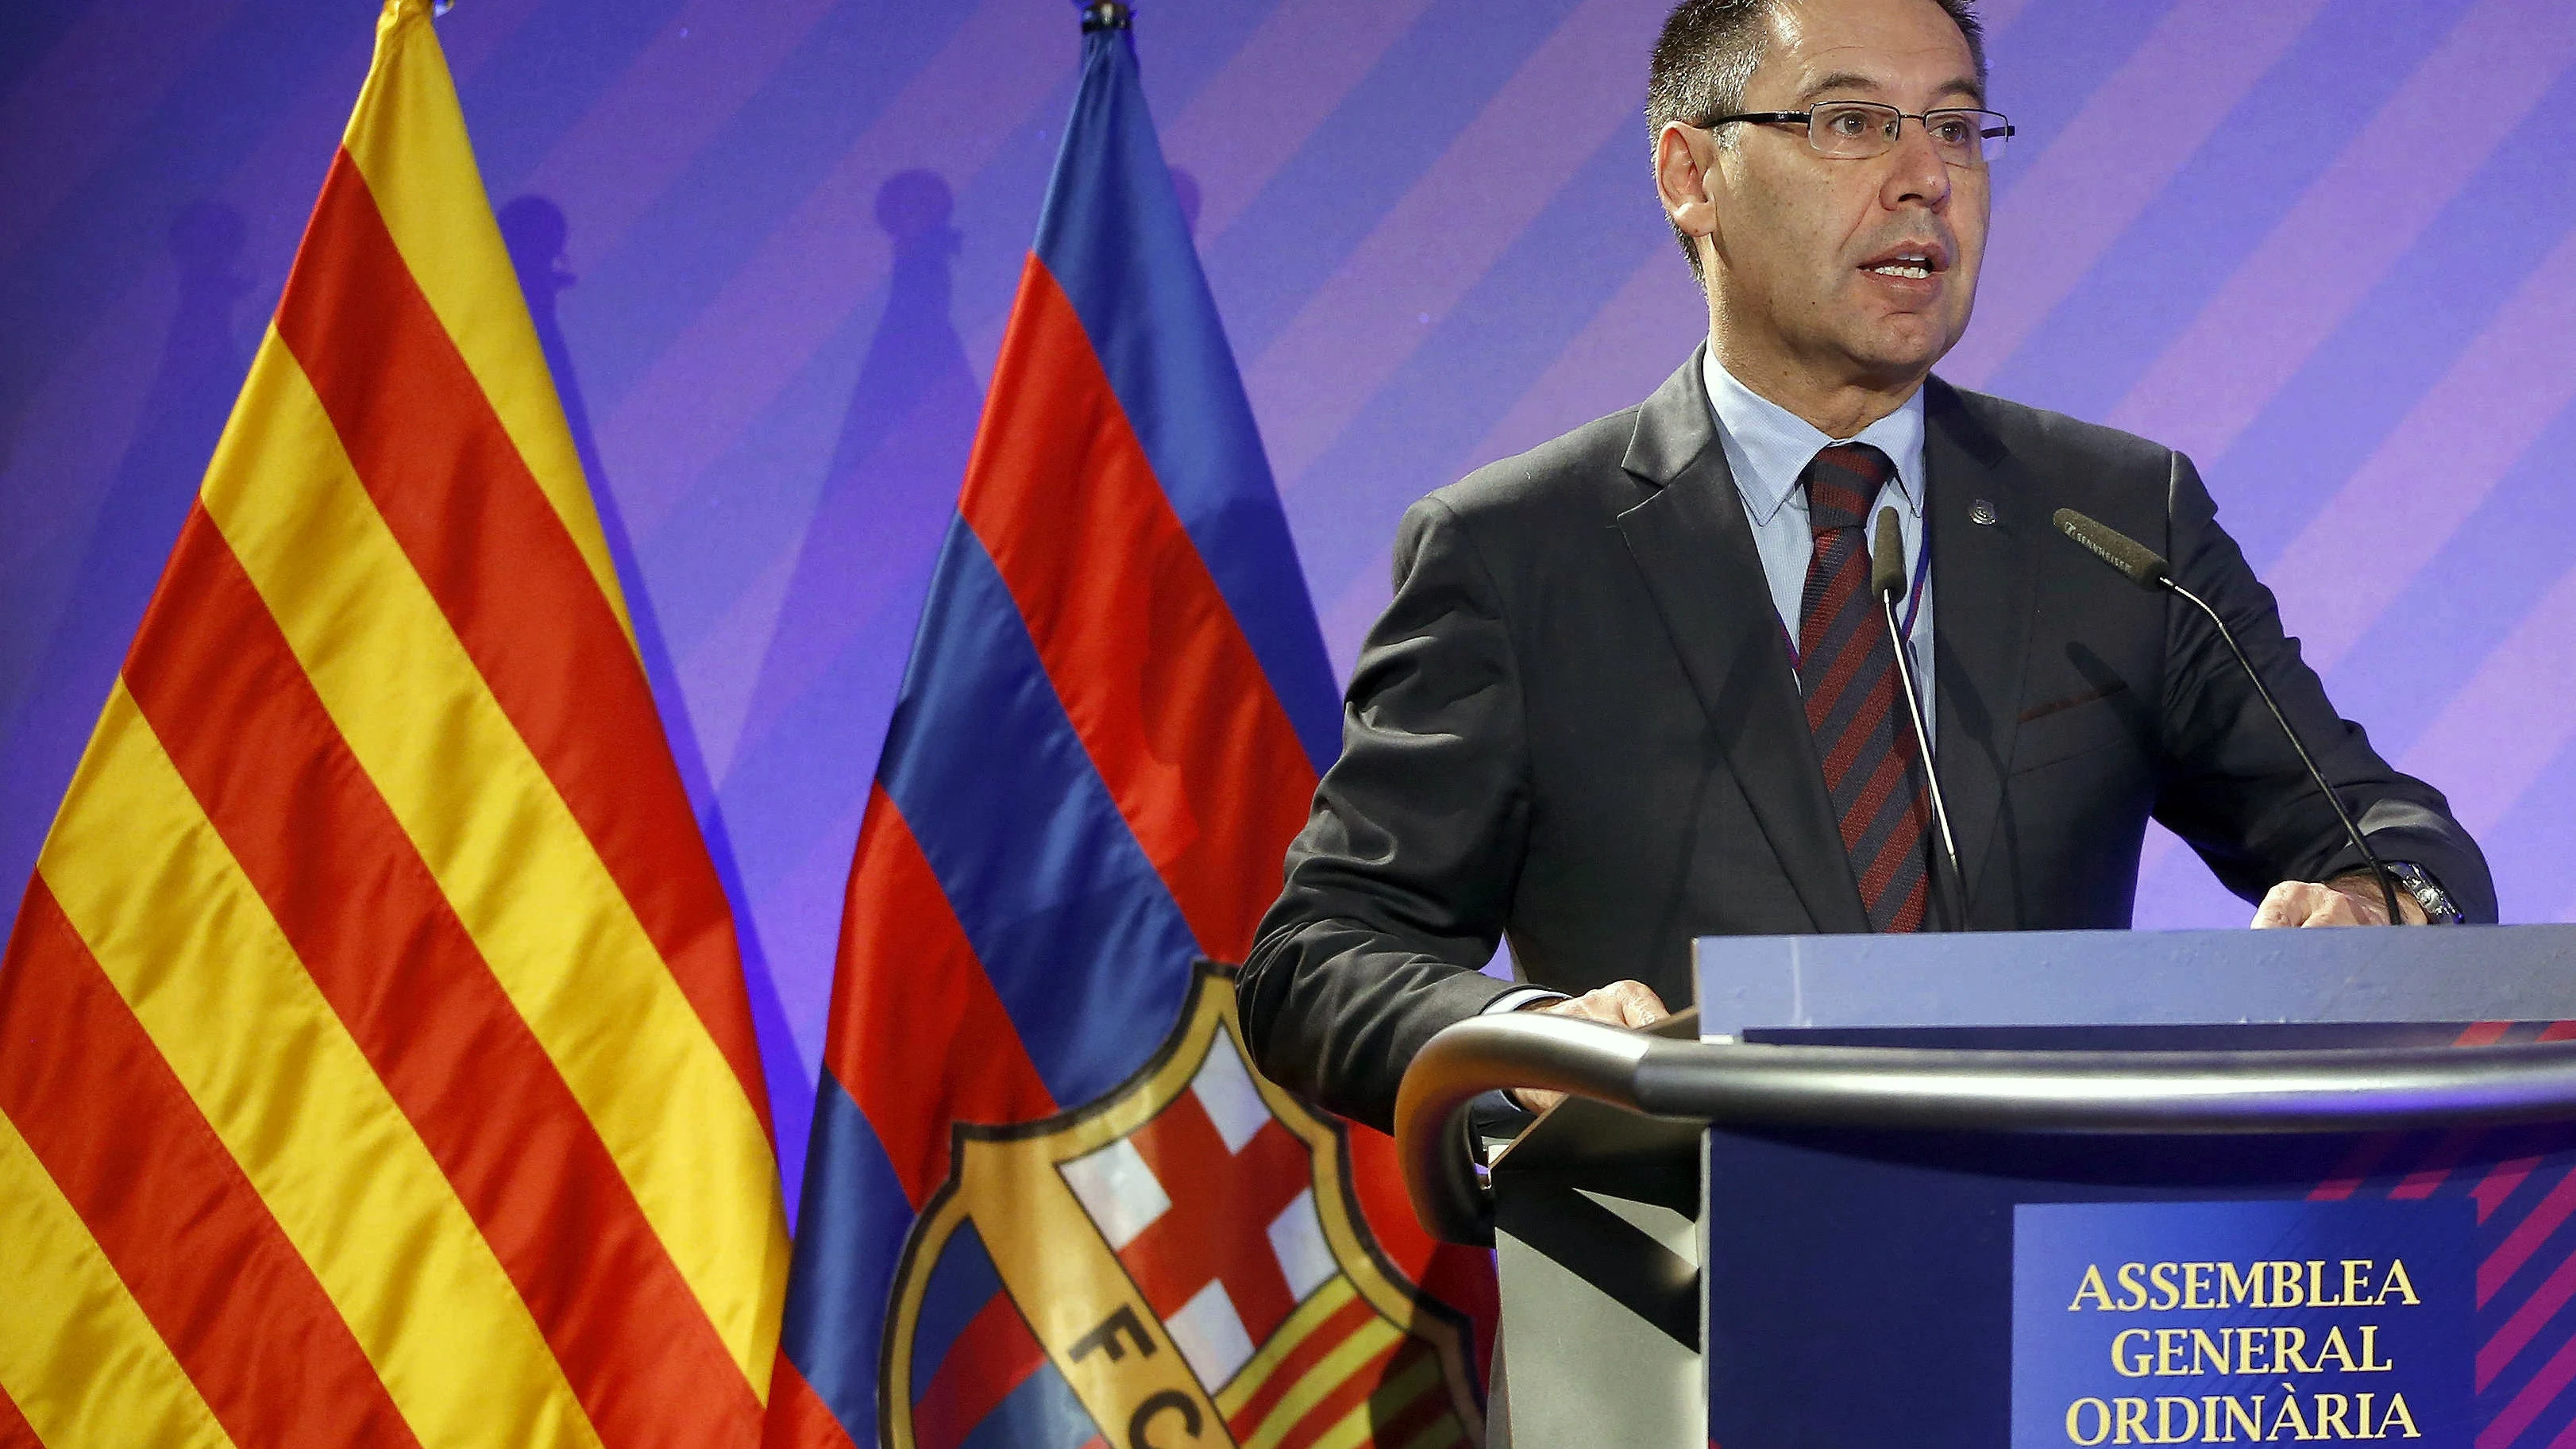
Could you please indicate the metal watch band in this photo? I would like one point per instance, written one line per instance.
(2428, 893)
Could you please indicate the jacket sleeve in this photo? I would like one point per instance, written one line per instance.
(2233, 787)
(1398, 887)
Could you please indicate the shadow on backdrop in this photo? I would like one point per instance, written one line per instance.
(537, 234)
(816, 718)
(57, 702)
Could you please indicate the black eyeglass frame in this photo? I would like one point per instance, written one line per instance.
(1807, 118)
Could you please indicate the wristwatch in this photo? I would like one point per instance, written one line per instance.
(2428, 893)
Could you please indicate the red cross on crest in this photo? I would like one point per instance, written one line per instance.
(1222, 1204)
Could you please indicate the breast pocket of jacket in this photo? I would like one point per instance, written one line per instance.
(2066, 726)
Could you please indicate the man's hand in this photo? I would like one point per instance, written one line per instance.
(1621, 1003)
(2351, 900)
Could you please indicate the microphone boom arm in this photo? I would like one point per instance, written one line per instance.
(1887, 581)
(2148, 570)
(2378, 868)
(1923, 745)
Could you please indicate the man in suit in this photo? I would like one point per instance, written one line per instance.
(1632, 688)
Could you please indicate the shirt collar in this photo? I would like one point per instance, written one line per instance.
(1768, 447)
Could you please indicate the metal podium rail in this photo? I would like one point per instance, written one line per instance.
(1917, 1089)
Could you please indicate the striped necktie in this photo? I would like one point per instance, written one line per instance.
(1847, 670)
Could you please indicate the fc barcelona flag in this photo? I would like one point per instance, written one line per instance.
(1048, 1203)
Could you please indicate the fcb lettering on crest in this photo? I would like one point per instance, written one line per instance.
(1180, 1262)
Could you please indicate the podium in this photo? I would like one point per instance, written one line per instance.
(2082, 1188)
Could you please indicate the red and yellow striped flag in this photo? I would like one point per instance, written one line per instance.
(375, 1063)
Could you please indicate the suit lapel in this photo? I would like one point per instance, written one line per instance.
(1981, 584)
(1692, 542)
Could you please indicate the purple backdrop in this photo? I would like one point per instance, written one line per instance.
(2326, 246)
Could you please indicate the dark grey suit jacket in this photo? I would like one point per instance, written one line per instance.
(1578, 724)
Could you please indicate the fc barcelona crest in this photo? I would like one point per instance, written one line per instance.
(1180, 1263)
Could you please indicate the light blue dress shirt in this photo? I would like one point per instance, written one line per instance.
(1768, 447)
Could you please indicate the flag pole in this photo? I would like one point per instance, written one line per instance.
(1107, 15)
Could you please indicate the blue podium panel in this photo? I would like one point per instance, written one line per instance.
(1949, 1292)
(1967, 1289)
(2218, 1321)
(2046, 978)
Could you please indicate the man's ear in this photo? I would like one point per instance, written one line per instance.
(1682, 181)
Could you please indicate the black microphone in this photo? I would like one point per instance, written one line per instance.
(2146, 568)
(1887, 581)
(1887, 559)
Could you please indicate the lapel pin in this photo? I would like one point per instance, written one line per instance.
(1982, 513)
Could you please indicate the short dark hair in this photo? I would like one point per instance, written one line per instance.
(1708, 52)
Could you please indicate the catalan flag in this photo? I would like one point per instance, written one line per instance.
(1048, 1203)
(375, 1063)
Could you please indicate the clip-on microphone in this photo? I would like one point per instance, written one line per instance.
(2147, 569)
(1887, 581)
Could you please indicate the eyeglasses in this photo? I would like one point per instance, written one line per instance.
(1858, 130)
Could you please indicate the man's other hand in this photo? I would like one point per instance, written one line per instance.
(2351, 900)
(1621, 1003)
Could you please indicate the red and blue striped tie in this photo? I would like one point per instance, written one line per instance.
(1847, 670)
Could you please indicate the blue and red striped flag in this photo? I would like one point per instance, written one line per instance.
(1047, 1202)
